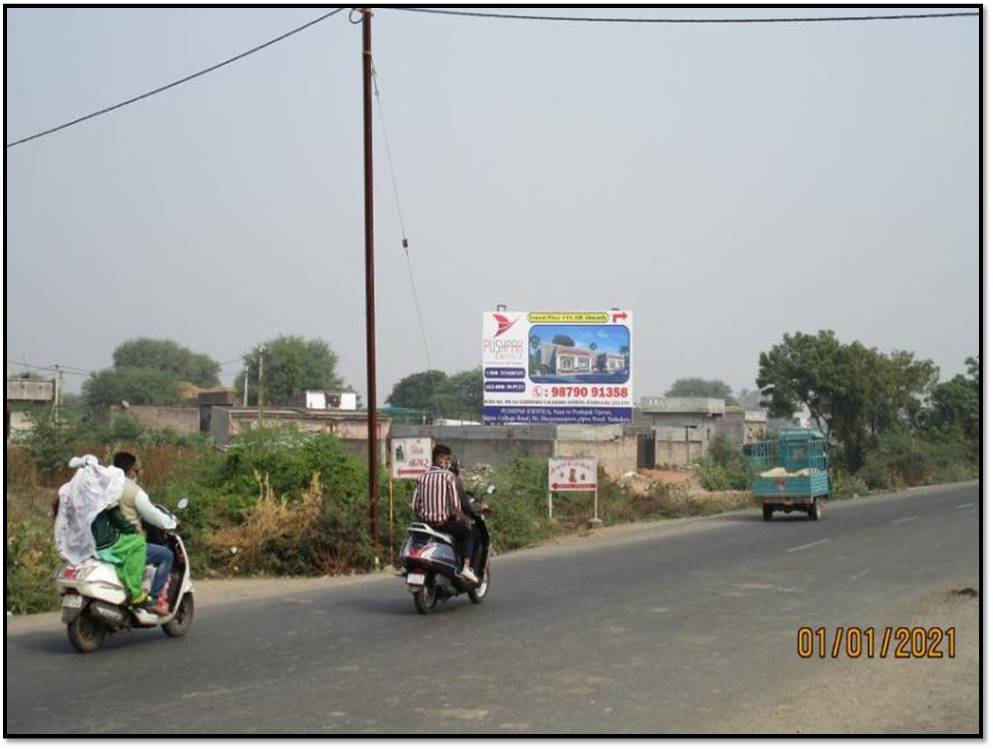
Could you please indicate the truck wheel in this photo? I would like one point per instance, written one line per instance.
(816, 509)
(180, 623)
(766, 512)
(86, 632)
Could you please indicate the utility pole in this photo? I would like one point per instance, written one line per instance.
(244, 395)
(57, 395)
(261, 354)
(370, 278)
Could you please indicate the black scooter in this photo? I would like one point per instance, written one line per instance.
(431, 562)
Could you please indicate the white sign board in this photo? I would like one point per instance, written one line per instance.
(410, 457)
(557, 367)
(572, 474)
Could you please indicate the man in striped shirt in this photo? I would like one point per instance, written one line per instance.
(436, 502)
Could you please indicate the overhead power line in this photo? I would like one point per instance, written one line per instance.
(403, 228)
(594, 19)
(160, 89)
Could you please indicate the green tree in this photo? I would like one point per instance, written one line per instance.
(458, 396)
(563, 340)
(854, 392)
(418, 390)
(139, 386)
(467, 389)
(168, 356)
(697, 387)
(290, 365)
(956, 403)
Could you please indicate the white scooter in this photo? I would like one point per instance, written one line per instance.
(95, 601)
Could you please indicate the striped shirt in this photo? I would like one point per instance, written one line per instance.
(436, 498)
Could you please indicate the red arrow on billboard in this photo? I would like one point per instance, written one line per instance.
(556, 486)
(619, 316)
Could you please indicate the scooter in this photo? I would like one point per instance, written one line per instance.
(430, 562)
(95, 601)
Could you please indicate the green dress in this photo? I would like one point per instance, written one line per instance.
(120, 543)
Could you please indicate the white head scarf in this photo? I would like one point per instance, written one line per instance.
(92, 490)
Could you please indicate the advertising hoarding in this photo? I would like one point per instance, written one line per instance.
(557, 367)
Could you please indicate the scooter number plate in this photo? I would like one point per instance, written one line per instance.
(72, 601)
(415, 578)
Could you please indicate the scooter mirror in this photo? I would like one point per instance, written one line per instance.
(491, 488)
(183, 503)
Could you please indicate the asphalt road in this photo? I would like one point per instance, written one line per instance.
(666, 629)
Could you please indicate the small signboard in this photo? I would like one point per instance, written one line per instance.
(410, 457)
(572, 474)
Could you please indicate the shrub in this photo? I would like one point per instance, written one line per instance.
(845, 486)
(724, 467)
(31, 561)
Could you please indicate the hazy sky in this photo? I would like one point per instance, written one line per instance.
(727, 183)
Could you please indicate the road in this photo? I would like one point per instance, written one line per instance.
(672, 627)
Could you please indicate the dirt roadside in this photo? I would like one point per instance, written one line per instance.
(882, 696)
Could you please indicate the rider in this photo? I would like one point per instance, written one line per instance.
(437, 502)
(136, 506)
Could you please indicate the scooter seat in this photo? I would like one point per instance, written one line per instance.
(425, 528)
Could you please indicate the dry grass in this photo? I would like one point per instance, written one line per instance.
(270, 519)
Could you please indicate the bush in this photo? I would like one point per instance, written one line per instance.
(845, 486)
(724, 467)
(30, 563)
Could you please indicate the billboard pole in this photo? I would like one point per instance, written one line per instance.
(370, 277)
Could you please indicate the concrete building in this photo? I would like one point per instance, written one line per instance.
(24, 393)
(350, 426)
(683, 428)
(614, 445)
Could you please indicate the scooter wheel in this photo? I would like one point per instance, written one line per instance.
(477, 594)
(86, 632)
(180, 623)
(425, 599)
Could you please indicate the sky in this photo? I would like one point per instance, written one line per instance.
(727, 183)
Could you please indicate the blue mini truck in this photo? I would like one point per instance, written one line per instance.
(790, 472)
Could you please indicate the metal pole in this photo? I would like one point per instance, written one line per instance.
(370, 276)
(261, 355)
(57, 395)
(244, 395)
(389, 474)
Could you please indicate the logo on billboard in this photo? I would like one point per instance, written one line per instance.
(504, 324)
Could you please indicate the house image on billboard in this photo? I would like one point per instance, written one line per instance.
(557, 359)
(610, 362)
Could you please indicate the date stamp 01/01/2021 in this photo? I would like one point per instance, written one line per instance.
(875, 642)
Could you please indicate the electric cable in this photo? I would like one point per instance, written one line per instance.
(166, 87)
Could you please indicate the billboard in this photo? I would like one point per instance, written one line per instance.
(410, 457)
(572, 474)
(557, 367)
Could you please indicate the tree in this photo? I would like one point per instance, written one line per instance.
(467, 389)
(854, 392)
(697, 387)
(956, 404)
(290, 365)
(168, 356)
(139, 386)
(455, 396)
(563, 340)
(418, 390)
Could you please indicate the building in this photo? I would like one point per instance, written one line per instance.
(683, 428)
(25, 393)
(350, 426)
